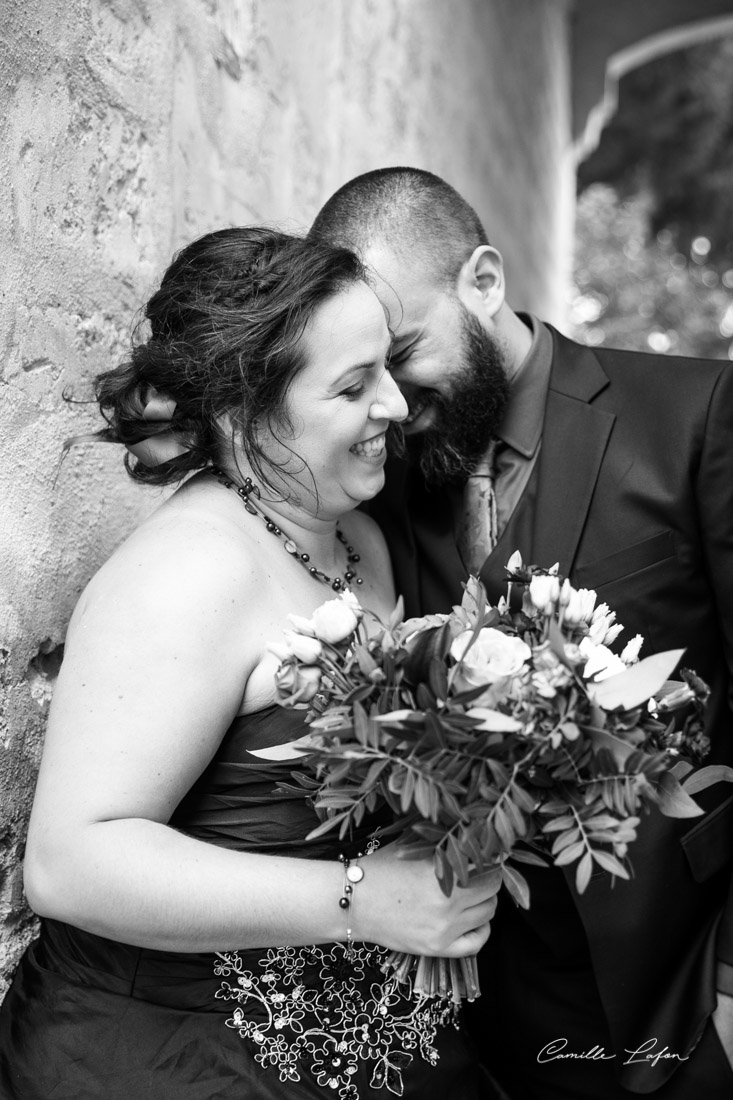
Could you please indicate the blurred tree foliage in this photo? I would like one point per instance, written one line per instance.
(654, 238)
(640, 293)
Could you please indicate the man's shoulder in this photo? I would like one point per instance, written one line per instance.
(639, 370)
(619, 359)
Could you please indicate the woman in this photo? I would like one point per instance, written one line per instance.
(193, 941)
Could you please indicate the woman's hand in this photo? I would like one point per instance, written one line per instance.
(399, 904)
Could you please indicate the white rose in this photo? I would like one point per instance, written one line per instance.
(306, 649)
(600, 661)
(303, 626)
(492, 658)
(297, 684)
(352, 601)
(336, 619)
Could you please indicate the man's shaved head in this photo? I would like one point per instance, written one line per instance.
(415, 214)
(441, 285)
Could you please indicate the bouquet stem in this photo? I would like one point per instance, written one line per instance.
(436, 977)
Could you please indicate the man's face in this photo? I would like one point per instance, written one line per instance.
(448, 366)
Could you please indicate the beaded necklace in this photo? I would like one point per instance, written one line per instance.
(249, 490)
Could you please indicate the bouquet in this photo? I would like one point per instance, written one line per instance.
(496, 735)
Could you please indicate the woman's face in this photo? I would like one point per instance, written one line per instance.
(341, 403)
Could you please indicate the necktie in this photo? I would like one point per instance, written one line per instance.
(479, 530)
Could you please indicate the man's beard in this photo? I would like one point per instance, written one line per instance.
(469, 416)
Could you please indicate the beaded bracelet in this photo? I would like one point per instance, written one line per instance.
(353, 873)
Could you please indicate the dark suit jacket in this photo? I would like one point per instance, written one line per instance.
(633, 496)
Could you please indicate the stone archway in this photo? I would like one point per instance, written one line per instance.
(608, 40)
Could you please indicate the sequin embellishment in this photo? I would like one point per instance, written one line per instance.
(312, 1010)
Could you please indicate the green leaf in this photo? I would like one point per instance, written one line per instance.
(422, 796)
(327, 826)
(600, 821)
(555, 807)
(470, 843)
(516, 884)
(438, 677)
(583, 873)
(443, 871)
(705, 777)
(358, 693)
(431, 832)
(365, 660)
(557, 642)
(335, 801)
(638, 683)
(523, 855)
(504, 829)
(490, 843)
(407, 790)
(418, 849)
(570, 854)
(570, 836)
(424, 697)
(458, 860)
(361, 724)
(609, 863)
(674, 800)
(375, 770)
(451, 806)
(463, 698)
(517, 820)
(620, 750)
(524, 800)
(434, 725)
(557, 824)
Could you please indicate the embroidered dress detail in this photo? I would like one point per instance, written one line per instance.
(349, 1017)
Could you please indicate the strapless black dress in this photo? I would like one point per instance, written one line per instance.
(88, 1018)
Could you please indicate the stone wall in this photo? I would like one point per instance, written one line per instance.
(131, 126)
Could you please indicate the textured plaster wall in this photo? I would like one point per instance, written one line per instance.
(130, 126)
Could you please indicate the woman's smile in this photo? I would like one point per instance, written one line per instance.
(372, 448)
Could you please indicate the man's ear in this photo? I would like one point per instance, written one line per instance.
(481, 285)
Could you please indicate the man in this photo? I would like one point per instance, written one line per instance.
(619, 466)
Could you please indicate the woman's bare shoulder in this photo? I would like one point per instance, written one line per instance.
(188, 559)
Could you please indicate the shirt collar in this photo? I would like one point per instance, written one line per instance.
(521, 428)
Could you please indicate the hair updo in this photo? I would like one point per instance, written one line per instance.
(225, 329)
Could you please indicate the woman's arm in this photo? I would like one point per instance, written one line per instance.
(158, 654)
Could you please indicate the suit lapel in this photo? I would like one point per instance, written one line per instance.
(574, 439)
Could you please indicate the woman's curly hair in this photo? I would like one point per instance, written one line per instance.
(225, 337)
